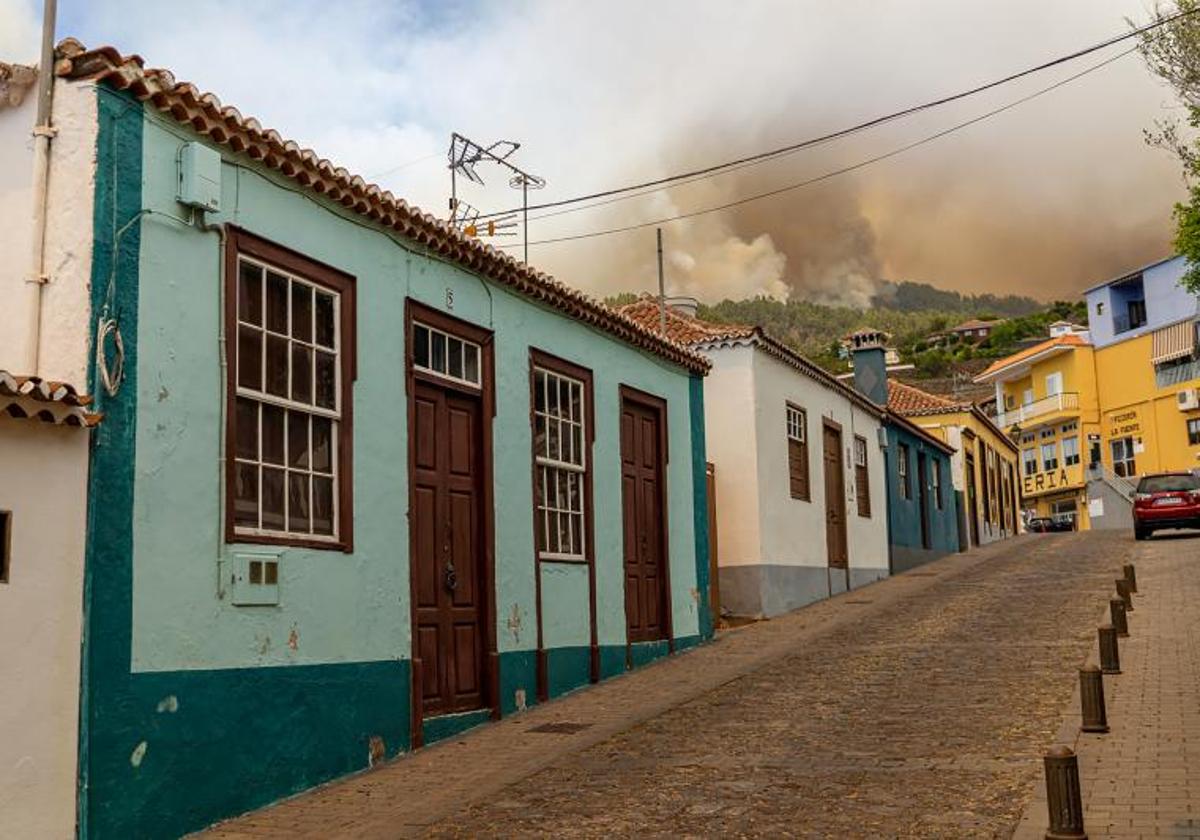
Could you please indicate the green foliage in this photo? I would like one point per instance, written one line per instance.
(1172, 53)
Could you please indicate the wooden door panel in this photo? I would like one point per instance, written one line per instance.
(426, 549)
(462, 549)
(424, 431)
(835, 499)
(427, 647)
(467, 655)
(462, 440)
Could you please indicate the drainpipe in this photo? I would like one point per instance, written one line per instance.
(43, 131)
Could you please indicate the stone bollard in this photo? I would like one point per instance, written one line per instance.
(1116, 608)
(1123, 593)
(1131, 576)
(1091, 700)
(1063, 800)
(1110, 656)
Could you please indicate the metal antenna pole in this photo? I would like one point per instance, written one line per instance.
(525, 214)
(662, 289)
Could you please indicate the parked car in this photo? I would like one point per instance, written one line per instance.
(1049, 524)
(1166, 500)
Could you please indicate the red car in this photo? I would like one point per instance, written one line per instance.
(1166, 500)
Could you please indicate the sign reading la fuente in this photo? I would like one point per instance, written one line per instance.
(1124, 423)
(1042, 481)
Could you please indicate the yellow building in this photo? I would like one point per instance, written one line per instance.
(985, 465)
(1047, 401)
(1143, 327)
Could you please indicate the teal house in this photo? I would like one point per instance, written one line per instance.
(362, 482)
(921, 502)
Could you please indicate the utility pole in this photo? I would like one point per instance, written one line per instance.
(662, 289)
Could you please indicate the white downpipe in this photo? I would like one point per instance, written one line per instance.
(43, 131)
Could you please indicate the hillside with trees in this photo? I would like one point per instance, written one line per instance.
(910, 313)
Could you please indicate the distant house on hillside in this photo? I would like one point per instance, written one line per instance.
(796, 464)
(1066, 328)
(973, 331)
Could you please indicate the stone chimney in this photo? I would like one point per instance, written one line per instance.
(684, 305)
(868, 350)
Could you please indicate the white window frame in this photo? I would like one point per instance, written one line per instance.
(860, 452)
(264, 398)
(797, 424)
(1073, 440)
(448, 340)
(1054, 383)
(1045, 463)
(902, 455)
(1029, 456)
(573, 466)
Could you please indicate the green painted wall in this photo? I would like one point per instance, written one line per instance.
(238, 706)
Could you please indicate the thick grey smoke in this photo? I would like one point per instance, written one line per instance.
(1042, 200)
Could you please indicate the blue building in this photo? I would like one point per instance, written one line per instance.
(922, 505)
(1140, 302)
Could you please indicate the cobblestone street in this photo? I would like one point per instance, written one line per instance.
(916, 707)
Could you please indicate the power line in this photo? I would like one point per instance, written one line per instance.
(405, 165)
(845, 169)
(845, 132)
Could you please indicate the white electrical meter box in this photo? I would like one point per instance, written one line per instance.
(200, 177)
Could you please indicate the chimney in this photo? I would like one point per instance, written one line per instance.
(684, 305)
(867, 349)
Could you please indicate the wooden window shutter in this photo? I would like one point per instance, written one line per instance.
(798, 470)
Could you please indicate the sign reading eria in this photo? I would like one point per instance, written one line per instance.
(1044, 481)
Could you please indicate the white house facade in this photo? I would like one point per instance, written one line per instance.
(801, 511)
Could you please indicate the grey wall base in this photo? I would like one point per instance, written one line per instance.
(763, 591)
(1118, 511)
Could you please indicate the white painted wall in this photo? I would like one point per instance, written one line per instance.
(730, 441)
(43, 475)
(16, 175)
(65, 299)
(793, 531)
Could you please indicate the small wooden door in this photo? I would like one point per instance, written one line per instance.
(835, 499)
(972, 503)
(447, 551)
(923, 498)
(642, 466)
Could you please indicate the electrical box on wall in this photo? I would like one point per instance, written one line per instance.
(200, 177)
(254, 579)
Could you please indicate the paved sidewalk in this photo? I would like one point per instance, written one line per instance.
(1142, 779)
(913, 707)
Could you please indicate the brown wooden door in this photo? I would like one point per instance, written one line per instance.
(447, 556)
(642, 515)
(714, 580)
(923, 498)
(835, 499)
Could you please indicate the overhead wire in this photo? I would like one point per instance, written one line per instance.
(841, 170)
(761, 157)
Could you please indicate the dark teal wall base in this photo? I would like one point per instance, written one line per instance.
(219, 743)
(612, 661)
(518, 680)
(439, 728)
(567, 669)
(905, 558)
(643, 653)
(686, 642)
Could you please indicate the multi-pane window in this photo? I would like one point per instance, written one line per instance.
(560, 462)
(1049, 456)
(902, 471)
(862, 481)
(1193, 430)
(797, 441)
(1123, 459)
(445, 355)
(287, 408)
(1029, 460)
(1070, 451)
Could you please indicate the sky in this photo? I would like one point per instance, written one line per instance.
(1044, 199)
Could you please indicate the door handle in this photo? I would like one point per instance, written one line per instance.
(451, 577)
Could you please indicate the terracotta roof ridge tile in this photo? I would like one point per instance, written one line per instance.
(204, 114)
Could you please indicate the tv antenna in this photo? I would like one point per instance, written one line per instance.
(464, 155)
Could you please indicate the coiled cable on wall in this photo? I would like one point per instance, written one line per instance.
(110, 375)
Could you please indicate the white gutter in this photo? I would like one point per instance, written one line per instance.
(43, 131)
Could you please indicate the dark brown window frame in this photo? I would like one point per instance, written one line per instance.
(1193, 436)
(241, 242)
(6, 524)
(540, 359)
(798, 450)
(862, 478)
